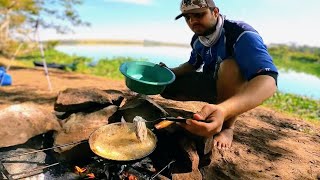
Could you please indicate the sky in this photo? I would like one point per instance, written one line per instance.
(278, 21)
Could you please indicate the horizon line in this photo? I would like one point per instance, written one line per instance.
(148, 42)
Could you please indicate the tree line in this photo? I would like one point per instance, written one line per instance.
(293, 52)
(20, 20)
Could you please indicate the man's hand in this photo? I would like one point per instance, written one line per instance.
(163, 64)
(180, 70)
(214, 113)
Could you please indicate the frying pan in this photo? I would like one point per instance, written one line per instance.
(118, 142)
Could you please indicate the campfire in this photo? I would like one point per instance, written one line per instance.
(65, 152)
(83, 173)
(97, 168)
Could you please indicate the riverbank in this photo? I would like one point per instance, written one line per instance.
(267, 144)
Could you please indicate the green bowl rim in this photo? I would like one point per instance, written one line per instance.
(122, 69)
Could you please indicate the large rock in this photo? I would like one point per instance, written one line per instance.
(188, 151)
(19, 123)
(79, 126)
(84, 99)
(142, 106)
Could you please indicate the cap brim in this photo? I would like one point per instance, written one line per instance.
(179, 16)
(198, 10)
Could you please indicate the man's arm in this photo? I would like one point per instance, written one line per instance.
(253, 94)
(183, 69)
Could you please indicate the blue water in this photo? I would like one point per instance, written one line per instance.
(171, 56)
(288, 81)
(299, 83)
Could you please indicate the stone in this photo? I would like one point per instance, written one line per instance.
(186, 149)
(86, 99)
(197, 150)
(20, 122)
(142, 106)
(79, 126)
(191, 175)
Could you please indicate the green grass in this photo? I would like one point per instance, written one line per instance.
(302, 107)
(51, 56)
(104, 67)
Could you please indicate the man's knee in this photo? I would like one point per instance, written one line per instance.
(167, 94)
(192, 87)
(230, 79)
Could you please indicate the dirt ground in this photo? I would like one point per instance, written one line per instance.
(267, 144)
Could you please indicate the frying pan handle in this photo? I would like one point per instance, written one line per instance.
(163, 124)
(167, 121)
(183, 120)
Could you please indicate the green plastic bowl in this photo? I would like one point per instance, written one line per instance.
(145, 77)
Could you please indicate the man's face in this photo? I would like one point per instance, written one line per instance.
(202, 23)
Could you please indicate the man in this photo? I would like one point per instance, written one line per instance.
(237, 72)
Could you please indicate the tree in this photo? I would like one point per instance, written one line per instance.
(20, 18)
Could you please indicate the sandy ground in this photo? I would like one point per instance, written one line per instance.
(267, 144)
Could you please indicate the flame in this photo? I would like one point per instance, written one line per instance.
(80, 170)
(132, 177)
(91, 176)
(129, 176)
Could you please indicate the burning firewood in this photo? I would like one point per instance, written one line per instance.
(129, 176)
(140, 128)
(132, 177)
(91, 176)
(79, 170)
(84, 173)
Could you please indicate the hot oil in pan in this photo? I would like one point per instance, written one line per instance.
(121, 143)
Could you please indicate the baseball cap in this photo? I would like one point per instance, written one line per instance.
(194, 6)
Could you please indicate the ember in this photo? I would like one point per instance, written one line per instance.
(91, 176)
(84, 173)
(79, 170)
(130, 176)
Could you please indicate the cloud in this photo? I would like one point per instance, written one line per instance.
(141, 2)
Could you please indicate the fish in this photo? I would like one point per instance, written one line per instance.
(140, 128)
